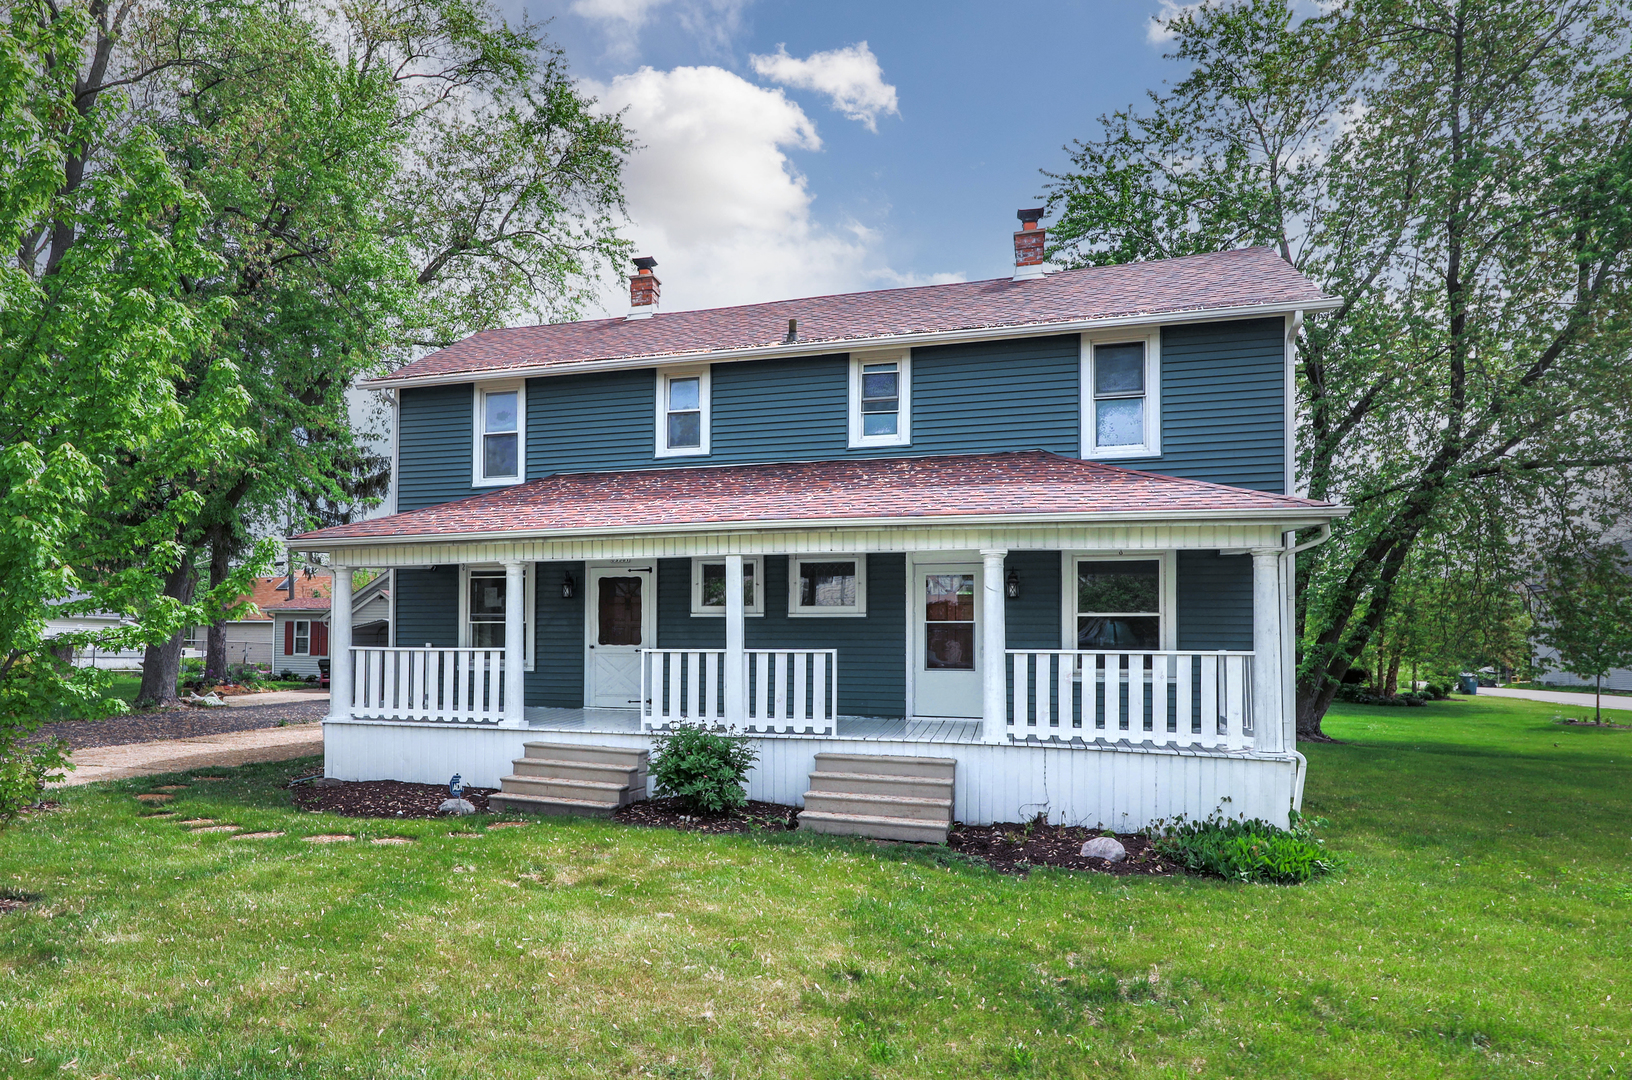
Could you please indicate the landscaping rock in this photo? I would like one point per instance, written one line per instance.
(328, 781)
(456, 807)
(1104, 847)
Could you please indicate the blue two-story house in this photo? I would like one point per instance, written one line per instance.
(1038, 529)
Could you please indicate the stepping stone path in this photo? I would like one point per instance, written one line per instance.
(172, 787)
(328, 838)
(464, 835)
(198, 821)
(209, 778)
(257, 835)
(153, 799)
(160, 813)
(393, 840)
(509, 824)
(215, 828)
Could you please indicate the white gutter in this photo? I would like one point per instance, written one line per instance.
(1306, 515)
(816, 348)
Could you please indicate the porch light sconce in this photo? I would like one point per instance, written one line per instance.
(1011, 585)
(569, 588)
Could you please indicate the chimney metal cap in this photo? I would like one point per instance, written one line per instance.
(646, 262)
(1031, 217)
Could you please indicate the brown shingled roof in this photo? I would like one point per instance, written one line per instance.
(1018, 484)
(1193, 285)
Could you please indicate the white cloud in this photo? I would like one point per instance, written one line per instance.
(713, 23)
(850, 77)
(1157, 32)
(715, 198)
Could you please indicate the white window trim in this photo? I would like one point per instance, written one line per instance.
(795, 611)
(699, 610)
(903, 434)
(704, 400)
(481, 390)
(298, 651)
(1152, 446)
(1167, 590)
(529, 604)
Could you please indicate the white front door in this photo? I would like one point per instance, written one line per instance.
(946, 640)
(622, 620)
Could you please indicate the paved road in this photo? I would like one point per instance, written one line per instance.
(1557, 697)
(178, 755)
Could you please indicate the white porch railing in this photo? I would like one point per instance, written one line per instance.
(1165, 698)
(785, 691)
(462, 685)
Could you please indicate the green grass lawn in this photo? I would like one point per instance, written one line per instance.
(1483, 928)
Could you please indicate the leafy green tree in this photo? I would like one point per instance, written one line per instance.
(95, 329)
(1585, 616)
(1459, 175)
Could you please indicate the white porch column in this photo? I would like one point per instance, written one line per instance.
(736, 671)
(994, 641)
(515, 645)
(1268, 711)
(339, 642)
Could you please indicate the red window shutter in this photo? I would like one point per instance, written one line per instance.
(289, 639)
(320, 639)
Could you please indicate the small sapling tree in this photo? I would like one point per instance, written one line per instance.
(1586, 613)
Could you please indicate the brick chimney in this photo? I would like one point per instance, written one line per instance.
(1028, 245)
(643, 289)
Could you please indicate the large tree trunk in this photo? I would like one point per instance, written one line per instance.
(215, 656)
(1391, 684)
(161, 664)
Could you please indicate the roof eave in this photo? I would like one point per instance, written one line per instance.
(1291, 517)
(807, 348)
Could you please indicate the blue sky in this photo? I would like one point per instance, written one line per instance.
(804, 148)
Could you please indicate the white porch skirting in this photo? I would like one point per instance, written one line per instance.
(1124, 788)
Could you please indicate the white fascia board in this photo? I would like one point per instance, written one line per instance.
(1290, 518)
(812, 348)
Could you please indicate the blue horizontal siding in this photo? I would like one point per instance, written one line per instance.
(428, 607)
(1214, 601)
(1032, 620)
(557, 677)
(580, 423)
(991, 396)
(434, 440)
(1223, 404)
(871, 650)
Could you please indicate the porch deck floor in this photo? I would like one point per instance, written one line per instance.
(627, 722)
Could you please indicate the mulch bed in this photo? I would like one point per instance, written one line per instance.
(1017, 849)
(12, 903)
(666, 814)
(382, 798)
(181, 722)
(1591, 723)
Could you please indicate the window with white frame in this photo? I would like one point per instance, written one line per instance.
(827, 585)
(682, 411)
(1119, 604)
(708, 586)
(1121, 395)
(500, 433)
(880, 399)
(483, 600)
(303, 638)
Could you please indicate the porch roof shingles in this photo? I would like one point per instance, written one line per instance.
(1016, 483)
(1251, 277)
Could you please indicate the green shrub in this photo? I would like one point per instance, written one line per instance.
(705, 769)
(1246, 850)
(25, 770)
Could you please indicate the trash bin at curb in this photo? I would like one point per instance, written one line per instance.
(1468, 683)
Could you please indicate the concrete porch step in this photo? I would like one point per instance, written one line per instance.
(880, 806)
(917, 787)
(622, 775)
(552, 787)
(620, 756)
(880, 828)
(887, 765)
(537, 804)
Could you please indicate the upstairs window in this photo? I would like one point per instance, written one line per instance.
(827, 587)
(1120, 414)
(682, 412)
(880, 396)
(500, 434)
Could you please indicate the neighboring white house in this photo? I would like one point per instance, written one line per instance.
(111, 659)
(300, 624)
(1550, 674)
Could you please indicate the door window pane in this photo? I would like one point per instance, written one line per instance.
(827, 584)
(618, 611)
(949, 622)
